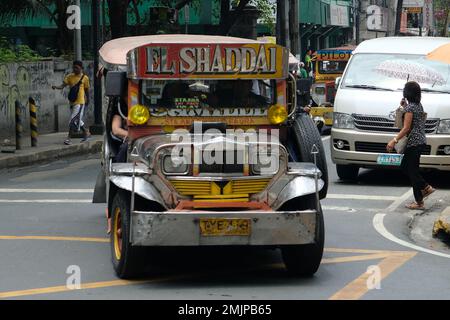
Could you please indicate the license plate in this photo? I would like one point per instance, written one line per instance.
(390, 159)
(225, 227)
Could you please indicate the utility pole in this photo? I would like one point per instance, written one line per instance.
(398, 15)
(283, 23)
(356, 20)
(77, 35)
(294, 27)
(97, 128)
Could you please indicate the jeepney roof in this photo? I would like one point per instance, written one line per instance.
(114, 52)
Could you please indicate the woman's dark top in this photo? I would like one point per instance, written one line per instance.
(417, 135)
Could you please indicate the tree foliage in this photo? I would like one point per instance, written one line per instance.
(13, 53)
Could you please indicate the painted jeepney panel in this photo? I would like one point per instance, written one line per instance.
(208, 61)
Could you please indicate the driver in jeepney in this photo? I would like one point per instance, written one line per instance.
(239, 93)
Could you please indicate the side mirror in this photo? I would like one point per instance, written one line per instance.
(115, 83)
(337, 82)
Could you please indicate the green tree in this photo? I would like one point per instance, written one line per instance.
(55, 10)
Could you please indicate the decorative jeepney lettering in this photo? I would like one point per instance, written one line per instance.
(248, 60)
(153, 60)
(203, 60)
(217, 64)
(232, 65)
(187, 64)
(197, 60)
(273, 60)
(261, 61)
(157, 61)
(208, 112)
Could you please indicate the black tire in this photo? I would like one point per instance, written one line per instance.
(347, 172)
(128, 261)
(304, 260)
(305, 135)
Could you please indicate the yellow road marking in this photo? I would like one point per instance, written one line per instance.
(89, 285)
(345, 250)
(392, 260)
(358, 287)
(55, 238)
(355, 258)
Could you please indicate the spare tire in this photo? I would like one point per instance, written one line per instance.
(305, 134)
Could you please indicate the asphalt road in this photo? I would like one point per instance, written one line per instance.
(50, 231)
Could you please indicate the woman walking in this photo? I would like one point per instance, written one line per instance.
(414, 130)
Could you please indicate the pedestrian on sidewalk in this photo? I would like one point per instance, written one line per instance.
(78, 97)
(414, 129)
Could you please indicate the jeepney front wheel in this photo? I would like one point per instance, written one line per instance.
(304, 260)
(305, 135)
(127, 260)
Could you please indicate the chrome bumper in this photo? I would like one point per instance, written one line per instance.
(182, 228)
(369, 159)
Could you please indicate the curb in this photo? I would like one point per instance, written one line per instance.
(442, 223)
(50, 153)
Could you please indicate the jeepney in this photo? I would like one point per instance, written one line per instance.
(329, 65)
(217, 155)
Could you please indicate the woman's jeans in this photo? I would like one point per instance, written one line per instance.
(410, 166)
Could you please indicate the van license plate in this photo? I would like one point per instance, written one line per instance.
(225, 227)
(390, 159)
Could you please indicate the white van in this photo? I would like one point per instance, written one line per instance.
(366, 100)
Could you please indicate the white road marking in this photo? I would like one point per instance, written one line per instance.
(348, 209)
(5, 190)
(397, 203)
(380, 228)
(360, 197)
(46, 201)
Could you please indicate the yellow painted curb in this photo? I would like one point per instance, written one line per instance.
(442, 223)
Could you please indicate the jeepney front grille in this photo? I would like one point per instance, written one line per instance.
(382, 124)
(220, 190)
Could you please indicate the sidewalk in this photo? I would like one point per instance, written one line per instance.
(50, 147)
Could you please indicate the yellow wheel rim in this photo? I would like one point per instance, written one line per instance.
(117, 232)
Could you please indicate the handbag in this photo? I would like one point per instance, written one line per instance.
(73, 93)
(399, 116)
(400, 146)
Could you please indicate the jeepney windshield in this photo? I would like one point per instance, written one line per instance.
(208, 93)
(332, 67)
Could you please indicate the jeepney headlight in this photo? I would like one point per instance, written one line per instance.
(444, 126)
(174, 165)
(343, 121)
(277, 114)
(139, 114)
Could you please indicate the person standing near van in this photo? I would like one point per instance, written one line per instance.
(78, 97)
(414, 129)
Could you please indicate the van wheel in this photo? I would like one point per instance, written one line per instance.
(305, 134)
(347, 172)
(304, 260)
(127, 260)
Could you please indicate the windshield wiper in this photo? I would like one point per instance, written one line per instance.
(365, 86)
(432, 90)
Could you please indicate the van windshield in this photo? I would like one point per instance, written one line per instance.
(208, 93)
(361, 72)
